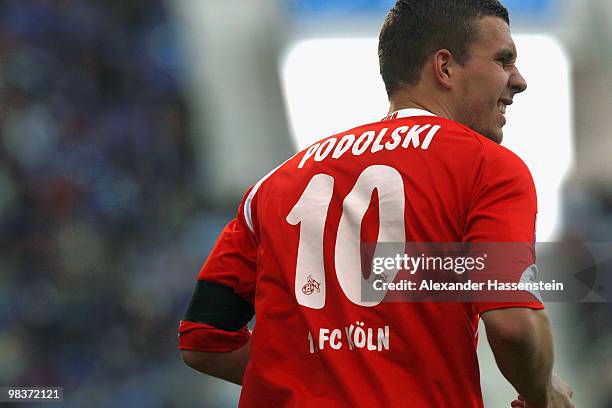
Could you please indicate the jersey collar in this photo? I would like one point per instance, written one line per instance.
(406, 113)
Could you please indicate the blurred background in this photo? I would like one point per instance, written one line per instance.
(131, 129)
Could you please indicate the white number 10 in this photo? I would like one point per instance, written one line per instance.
(311, 213)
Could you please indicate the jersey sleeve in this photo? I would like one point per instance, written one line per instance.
(222, 302)
(501, 217)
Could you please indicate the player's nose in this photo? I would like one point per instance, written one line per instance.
(517, 82)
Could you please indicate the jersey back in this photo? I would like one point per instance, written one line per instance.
(296, 250)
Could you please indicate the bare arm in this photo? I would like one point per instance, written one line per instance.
(227, 366)
(522, 345)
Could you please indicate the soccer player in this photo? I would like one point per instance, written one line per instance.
(432, 171)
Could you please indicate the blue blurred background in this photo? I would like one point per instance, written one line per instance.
(129, 131)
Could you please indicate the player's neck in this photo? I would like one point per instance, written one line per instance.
(408, 101)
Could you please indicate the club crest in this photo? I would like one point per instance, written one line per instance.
(311, 285)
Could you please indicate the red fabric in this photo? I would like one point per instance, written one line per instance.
(202, 337)
(462, 188)
(232, 261)
(503, 208)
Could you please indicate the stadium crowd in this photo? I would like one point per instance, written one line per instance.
(101, 235)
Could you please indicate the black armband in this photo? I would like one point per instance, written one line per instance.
(218, 306)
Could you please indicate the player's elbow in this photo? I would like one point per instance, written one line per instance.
(521, 342)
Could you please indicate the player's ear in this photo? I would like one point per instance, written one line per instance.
(443, 69)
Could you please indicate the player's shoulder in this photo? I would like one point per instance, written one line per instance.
(497, 159)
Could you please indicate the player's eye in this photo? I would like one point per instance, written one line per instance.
(506, 62)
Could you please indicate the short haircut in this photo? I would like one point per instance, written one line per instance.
(415, 29)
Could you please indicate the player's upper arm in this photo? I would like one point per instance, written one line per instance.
(514, 324)
(503, 204)
(222, 302)
(502, 210)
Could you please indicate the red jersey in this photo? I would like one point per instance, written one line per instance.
(293, 252)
